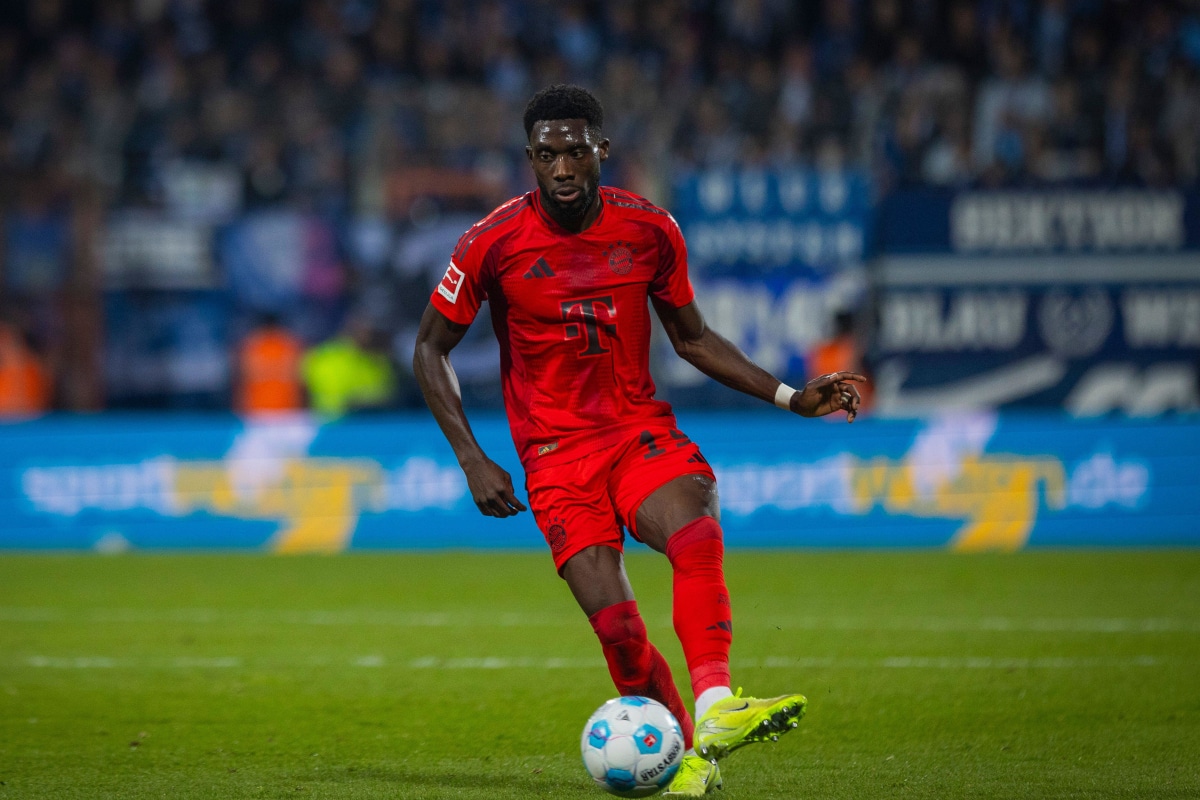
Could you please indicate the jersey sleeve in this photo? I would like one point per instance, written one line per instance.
(460, 292)
(671, 283)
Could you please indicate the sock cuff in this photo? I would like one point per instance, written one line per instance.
(618, 623)
(699, 530)
(709, 674)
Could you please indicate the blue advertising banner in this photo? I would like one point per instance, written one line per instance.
(1050, 221)
(751, 223)
(969, 482)
(1088, 334)
(774, 255)
(1084, 300)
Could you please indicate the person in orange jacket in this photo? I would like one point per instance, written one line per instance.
(841, 351)
(25, 387)
(268, 370)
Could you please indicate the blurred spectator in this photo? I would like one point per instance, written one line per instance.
(948, 158)
(797, 86)
(904, 146)
(25, 388)
(268, 369)
(1009, 100)
(881, 30)
(1181, 119)
(350, 372)
(1050, 36)
(838, 38)
(963, 46)
(1118, 118)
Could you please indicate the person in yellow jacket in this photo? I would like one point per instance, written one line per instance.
(349, 372)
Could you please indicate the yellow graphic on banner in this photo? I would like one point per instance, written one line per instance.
(997, 496)
(318, 501)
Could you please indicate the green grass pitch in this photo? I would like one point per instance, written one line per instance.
(470, 675)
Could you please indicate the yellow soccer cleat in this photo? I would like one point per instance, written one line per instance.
(696, 777)
(737, 721)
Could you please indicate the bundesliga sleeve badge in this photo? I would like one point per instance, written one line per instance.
(451, 283)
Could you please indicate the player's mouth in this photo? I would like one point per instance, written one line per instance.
(567, 194)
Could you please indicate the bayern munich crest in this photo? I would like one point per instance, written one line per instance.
(620, 257)
(556, 535)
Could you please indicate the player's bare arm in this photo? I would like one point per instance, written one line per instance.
(720, 359)
(491, 486)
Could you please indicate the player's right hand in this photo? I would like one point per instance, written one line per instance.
(492, 489)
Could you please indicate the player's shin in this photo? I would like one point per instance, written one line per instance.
(636, 666)
(702, 614)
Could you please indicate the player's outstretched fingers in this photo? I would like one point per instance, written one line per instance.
(839, 388)
(849, 399)
(840, 377)
(828, 393)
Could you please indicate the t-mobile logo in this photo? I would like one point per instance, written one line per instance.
(587, 318)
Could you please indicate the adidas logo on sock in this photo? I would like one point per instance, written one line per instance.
(540, 270)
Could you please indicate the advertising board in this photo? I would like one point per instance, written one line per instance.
(969, 482)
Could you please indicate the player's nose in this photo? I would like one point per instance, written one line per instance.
(562, 168)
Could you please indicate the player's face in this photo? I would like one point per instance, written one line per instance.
(566, 159)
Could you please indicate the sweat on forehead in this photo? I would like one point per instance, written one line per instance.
(563, 102)
(574, 130)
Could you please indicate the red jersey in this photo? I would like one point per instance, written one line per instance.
(571, 313)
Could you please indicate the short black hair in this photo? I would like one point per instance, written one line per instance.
(564, 101)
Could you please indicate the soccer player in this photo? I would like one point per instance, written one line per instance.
(570, 270)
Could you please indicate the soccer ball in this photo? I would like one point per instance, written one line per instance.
(632, 746)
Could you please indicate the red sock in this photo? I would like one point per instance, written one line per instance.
(636, 665)
(703, 618)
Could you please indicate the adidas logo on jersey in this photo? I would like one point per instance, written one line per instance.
(540, 269)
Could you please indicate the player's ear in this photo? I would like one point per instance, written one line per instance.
(602, 149)
(529, 153)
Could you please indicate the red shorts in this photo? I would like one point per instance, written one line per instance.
(586, 502)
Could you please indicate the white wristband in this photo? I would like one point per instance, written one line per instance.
(783, 396)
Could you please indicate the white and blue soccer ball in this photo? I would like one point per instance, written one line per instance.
(632, 746)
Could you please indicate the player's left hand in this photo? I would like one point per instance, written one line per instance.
(826, 394)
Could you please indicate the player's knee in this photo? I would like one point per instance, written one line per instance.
(619, 623)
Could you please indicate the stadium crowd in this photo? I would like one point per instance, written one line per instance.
(370, 107)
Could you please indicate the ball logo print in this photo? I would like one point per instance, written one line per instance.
(632, 746)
